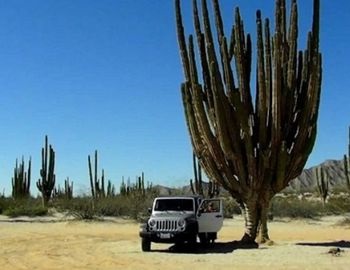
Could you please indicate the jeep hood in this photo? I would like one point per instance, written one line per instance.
(172, 215)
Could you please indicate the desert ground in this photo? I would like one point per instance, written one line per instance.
(46, 243)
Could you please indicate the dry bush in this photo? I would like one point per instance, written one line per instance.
(26, 207)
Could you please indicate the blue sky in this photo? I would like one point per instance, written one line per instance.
(105, 75)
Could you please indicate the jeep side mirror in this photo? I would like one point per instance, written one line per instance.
(149, 210)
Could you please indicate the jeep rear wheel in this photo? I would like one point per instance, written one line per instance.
(203, 239)
(192, 239)
(146, 245)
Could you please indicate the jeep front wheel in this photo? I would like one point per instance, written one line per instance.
(145, 244)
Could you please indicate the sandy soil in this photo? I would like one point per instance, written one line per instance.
(115, 244)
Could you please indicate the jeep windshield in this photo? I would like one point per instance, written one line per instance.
(174, 205)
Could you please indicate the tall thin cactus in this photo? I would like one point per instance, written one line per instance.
(253, 150)
(97, 185)
(110, 189)
(346, 161)
(46, 183)
(197, 188)
(322, 184)
(66, 192)
(138, 188)
(21, 181)
(197, 184)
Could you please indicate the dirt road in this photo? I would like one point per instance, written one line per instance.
(116, 245)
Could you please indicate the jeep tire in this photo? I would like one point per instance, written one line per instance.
(145, 244)
(192, 239)
(203, 239)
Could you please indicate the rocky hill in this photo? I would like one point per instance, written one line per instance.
(307, 181)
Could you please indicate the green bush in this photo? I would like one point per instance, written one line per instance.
(25, 210)
(5, 203)
(231, 207)
(338, 205)
(133, 206)
(296, 208)
(25, 207)
(80, 208)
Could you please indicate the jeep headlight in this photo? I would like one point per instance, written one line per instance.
(151, 222)
(181, 223)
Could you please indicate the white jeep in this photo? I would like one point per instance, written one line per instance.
(181, 219)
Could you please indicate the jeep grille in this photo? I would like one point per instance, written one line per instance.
(166, 225)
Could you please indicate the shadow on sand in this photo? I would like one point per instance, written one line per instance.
(197, 248)
(340, 244)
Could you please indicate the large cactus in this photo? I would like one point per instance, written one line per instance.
(47, 181)
(251, 150)
(21, 181)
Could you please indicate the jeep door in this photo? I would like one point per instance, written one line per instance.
(210, 216)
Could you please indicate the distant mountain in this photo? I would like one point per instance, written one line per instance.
(306, 182)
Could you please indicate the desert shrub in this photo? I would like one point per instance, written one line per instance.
(81, 208)
(5, 203)
(296, 208)
(338, 205)
(344, 222)
(30, 207)
(23, 210)
(136, 206)
(133, 205)
(231, 207)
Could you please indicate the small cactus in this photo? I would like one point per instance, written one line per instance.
(66, 193)
(110, 189)
(139, 187)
